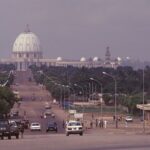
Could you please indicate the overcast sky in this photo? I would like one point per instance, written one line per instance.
(75, 28)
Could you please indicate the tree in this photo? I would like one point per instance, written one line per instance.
(7, 100)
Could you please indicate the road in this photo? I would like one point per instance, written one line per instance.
(32, 106)
(33, 102)
(75, 142)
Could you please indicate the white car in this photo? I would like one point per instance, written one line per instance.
(35, 126)
(128, 119)
(74, 127)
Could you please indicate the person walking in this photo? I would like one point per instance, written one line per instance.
(96, 122)
(99, 123)
(91, 124)
(105, 124)
(22, 130)
(126, 124)
(63, 124)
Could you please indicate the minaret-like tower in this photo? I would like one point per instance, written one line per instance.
(107, 56)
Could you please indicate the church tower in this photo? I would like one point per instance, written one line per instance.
(107, 56)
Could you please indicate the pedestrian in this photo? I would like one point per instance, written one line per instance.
(99, 123)
(22, 130)
(91, 124)
(92, 116)
(102, 123)
(96, 122)
(126, 124)
(114, 118)
(105, 124)
(63, 124)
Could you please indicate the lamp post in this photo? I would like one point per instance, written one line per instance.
(69, 86)
(81, 89)
(101, 93)
(82, 92)
(143, 112)
(61, 96)
(116, 119)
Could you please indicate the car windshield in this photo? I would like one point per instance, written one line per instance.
(52, 124)
(35, 124)
(74, 124)
(13, 123)
(2, 124)
(128, 117)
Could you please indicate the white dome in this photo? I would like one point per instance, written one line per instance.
(59, 58)
(83, 59)
(27, 42)
(119, 58)
(95, 59)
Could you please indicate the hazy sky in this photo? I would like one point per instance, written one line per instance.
(75, 28)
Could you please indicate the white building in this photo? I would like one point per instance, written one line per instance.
(27, 51)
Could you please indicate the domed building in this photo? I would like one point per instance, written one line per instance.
(26, 50)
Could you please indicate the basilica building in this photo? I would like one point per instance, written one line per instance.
(27, 51)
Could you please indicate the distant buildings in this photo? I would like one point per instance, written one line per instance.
(27, 51)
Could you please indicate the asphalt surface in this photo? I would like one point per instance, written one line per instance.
(33, 106)
(76, 142)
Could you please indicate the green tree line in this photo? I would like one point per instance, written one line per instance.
(7, 97)
(129, 82)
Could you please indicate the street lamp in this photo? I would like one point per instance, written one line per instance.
(82, 92)
(69, 86)
(81, 88)
(143, 101)
(61, 96)
(101, 93)
(116, 119)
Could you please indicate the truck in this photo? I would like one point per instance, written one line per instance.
(8, 129)
(5, 129)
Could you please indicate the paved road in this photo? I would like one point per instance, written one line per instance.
(75, 142)
(34, 98)
(33, 103)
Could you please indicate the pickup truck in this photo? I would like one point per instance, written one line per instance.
(8, 129)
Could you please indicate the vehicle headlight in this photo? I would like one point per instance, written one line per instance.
(2, 128)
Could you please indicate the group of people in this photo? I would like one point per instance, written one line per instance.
(99, 123)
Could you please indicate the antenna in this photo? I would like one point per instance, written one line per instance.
(27, 29)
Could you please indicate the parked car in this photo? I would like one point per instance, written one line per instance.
(129, 118)
(5, 129)
(52, 126)
(35, 126)
(74, 127)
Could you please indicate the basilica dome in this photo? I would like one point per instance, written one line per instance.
(27, 42)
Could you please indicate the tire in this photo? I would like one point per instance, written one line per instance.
(67, 134)
(9, 137)
(17, 136)
(2, 138)
(81, 134)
